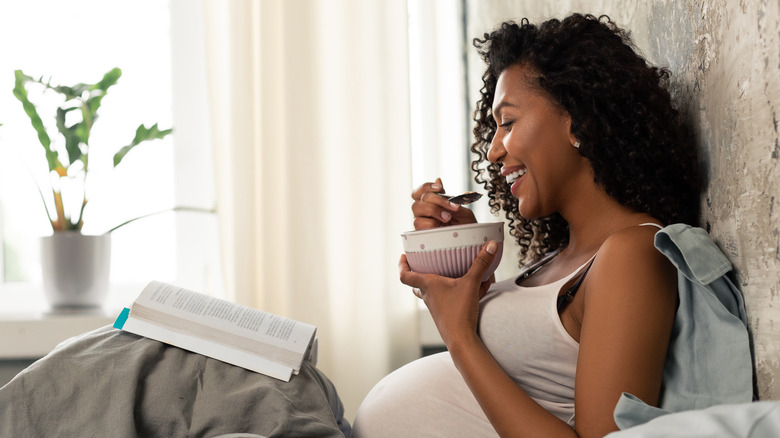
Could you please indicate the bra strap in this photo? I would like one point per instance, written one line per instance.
(568, 296)
(535, 266)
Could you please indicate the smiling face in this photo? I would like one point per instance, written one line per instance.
(533, 143)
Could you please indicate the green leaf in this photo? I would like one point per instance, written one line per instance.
(142, 134)
(97, 93)
(71, 134)
(109, 79)
(70, 93)
(82, 131)
(21, 93)
(99, 90)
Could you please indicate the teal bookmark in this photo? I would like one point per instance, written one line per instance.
(122, 318)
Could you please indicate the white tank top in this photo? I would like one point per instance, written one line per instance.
(523, 331)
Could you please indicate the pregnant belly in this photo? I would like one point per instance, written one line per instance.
(427, 397)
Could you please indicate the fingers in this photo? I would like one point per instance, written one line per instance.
(429, 209)
(420, 280)
(483, 288)
(483, 261)
(409, 277)
(403, 264)
(435, 187)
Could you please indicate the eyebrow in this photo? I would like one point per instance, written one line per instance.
(501, 105)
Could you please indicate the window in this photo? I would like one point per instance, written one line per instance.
(440, 121)
(79, 41)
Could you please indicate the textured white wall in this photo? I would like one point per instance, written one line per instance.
(724, 56)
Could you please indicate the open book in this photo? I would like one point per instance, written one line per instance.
(239, 335)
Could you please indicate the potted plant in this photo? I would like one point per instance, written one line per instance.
(75, 266)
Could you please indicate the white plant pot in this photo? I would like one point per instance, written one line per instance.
(75, 269)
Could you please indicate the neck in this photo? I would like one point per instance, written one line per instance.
(593, 217)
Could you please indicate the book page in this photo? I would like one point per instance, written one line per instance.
(211, 349)
(243, 321)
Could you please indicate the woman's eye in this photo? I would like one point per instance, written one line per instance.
(506, 125)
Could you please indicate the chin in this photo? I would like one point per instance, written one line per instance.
(530, 213)
(525, 209)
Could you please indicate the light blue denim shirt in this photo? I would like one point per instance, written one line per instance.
(710, 357)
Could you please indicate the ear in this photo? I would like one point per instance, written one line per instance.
(566, 120)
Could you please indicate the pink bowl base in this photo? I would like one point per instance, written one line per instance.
(452, 263)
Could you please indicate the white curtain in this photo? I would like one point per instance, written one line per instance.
(310, 113)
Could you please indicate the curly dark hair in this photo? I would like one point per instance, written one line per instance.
(641, 150)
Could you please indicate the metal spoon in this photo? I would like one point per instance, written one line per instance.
(462, 199)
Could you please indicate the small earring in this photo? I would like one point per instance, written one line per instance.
(576, 144)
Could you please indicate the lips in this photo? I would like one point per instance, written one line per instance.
(512, 173)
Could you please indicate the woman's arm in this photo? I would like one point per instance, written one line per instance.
(629, 302)
(630, 299)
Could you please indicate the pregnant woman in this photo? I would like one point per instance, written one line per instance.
(578, 142)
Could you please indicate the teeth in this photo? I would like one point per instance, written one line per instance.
(514, 176)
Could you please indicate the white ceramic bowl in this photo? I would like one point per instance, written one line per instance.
(450, 251)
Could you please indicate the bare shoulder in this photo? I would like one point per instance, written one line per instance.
(628, 262)
(634, 246)
(636, 238)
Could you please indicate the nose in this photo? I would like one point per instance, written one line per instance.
(497, 150)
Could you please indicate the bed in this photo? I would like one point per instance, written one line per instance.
(112, 383)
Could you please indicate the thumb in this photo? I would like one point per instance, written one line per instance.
(483, 261)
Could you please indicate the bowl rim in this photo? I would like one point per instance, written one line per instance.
(476, 225)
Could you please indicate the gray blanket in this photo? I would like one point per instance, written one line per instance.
(113, 383)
